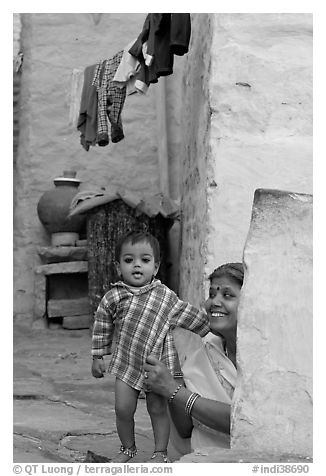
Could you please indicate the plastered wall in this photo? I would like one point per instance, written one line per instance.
(261, 123)
(273, 401)
(53, 46)
(239, 117)
(252, 99)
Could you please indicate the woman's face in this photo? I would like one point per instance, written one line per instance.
(222, 305)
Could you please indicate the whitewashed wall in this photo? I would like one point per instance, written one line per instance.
(16, 33)
(261, 136)
(53, 46)
(224, 140)
(259, 130)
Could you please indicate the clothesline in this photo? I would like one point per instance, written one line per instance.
(99, 91)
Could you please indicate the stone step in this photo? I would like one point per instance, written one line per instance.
(68, 307)
(76, 322)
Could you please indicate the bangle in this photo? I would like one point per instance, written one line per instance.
(174, 393)
(178, 375)
(190, 403)
(95, 357)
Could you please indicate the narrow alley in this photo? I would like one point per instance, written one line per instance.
(60, 411)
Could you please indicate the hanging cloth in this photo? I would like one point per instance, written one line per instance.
(87, 119)
(110, 101)
(180, 33)
(126, 73)
(165, 34)
(156, 33)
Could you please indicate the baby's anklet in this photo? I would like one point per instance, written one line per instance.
(128, 451)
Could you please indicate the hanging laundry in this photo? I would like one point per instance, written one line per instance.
(180, 33)
(101, 103)
(110, 101)
(166, 35)
(136, 51)
(158, 46)
(126, 73)
(156, 27)
(87, 119)
(133, 69)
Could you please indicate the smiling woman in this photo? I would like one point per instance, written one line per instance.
(222, 304)
(200, 401)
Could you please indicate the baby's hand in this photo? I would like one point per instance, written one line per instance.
(98, 368)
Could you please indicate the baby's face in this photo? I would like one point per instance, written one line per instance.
(137, 265)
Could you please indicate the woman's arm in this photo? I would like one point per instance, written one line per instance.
(211, 413)
(182, 422)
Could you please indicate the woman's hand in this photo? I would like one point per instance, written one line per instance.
(158, 377)
(211, 413)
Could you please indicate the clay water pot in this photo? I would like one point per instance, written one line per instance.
(53, 209)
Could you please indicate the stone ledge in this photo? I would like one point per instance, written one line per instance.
(58, 254)
(213, 455)
(62, 268)
(77, 322)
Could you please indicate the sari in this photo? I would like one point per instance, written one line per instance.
(208, 371)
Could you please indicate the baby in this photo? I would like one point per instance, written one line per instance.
(141, 312)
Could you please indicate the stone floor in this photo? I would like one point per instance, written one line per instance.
(60, 411)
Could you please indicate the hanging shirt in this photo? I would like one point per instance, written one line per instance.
(87, 119)
(156, 31)
(126, 73)
(110, 101)
(166, 34)
(180, 33)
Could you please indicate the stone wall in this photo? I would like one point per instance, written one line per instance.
(247, 124)
(54, 44)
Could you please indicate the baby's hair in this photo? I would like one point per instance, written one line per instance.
(230, 270)
(139, 237)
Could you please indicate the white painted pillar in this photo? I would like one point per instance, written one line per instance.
(272, 410)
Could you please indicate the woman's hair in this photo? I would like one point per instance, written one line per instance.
(230, 270)
(139, 237)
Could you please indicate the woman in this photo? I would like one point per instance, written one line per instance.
(200, 402)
